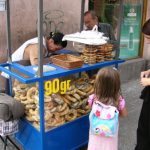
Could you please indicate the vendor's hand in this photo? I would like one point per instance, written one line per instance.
(145, 74)
(145, 81)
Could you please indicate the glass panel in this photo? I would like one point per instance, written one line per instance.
(65, 99)
(107, 11)
(131, 29)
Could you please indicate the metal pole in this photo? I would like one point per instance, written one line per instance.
(40, 37)
(8, 32)
(40, 72)
(119, 28)
(82, 15)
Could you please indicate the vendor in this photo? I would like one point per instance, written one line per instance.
(29, 50)
(91, 19)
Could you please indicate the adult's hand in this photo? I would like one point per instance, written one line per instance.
(145, 81)
(145, 74)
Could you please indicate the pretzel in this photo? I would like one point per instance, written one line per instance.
(66, 100)
(30, 106)
(81, 93)
(52, 122)
(91, 91)
(81, 111)
(84, 102)
(71, 91)
(70, 98)
(33, 112)
(66, 111)
(47, 98)
(53, 110)
(61, 108)
(26, 102)
(71, 115)
(89, 87)
(47, 116)
(77, 96)
(57, 98)
(29, 118)
(32, 91)
(23, 97)
(75, 105)
(61, 122)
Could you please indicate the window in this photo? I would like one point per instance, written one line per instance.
(109, 10)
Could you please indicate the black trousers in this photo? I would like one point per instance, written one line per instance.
(143, 131)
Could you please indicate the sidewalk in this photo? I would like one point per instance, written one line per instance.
(128, 125)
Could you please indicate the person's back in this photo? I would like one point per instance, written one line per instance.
(106, 103)
(143, 130)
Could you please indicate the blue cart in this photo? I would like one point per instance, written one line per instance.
(69, 136)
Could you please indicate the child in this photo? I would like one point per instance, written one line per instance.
(106, 95)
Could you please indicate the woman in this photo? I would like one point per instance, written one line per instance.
(143, 131)
(29, 50)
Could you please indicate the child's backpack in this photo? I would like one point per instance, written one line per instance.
(103, 119)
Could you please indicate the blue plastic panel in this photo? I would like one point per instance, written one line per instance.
(69, 136)
(59, 72)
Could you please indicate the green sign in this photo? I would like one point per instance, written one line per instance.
(130, 31)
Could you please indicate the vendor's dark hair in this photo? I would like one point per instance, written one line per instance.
(146, 27)
(57, 37)
(92, 12)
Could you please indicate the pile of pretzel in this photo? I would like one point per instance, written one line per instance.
(58, 109)
(93, 54)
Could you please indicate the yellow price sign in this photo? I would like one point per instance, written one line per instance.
(56, 86)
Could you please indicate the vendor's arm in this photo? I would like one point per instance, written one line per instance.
(33, 54)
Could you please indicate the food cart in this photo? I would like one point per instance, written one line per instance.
(68, 136)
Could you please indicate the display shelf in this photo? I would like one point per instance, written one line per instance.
(59, 72)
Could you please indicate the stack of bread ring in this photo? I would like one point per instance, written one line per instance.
(58, 108)
(93, 54)
(105, 51)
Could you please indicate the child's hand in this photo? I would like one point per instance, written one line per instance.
(123, 112)
(145, 81)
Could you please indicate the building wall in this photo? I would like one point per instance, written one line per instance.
(63, 15)
(146, 50)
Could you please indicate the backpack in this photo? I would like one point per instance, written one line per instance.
(103, 119)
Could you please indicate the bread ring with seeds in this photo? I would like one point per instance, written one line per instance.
(77, 96)
(61, 108)
(72, 115)
(66, 111)
(91, 91)
(66, 100)
(31, 92)
(70, 98)
(81, 93)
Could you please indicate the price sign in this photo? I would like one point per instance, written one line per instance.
(56, 86)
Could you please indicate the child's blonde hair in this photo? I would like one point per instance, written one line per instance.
(107, 86)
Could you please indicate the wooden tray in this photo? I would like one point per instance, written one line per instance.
(67, 61)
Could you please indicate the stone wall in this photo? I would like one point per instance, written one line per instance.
(62, 15)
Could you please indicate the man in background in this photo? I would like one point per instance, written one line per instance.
(91, 19)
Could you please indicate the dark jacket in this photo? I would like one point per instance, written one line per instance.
(143, 131)
(10, 109)
(108, 32)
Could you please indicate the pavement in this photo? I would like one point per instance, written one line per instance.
(127, 133)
